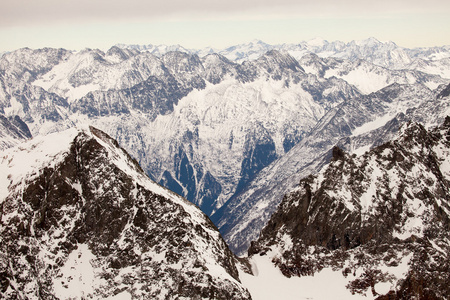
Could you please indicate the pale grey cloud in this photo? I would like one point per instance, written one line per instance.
(29, 12)
(75, 24)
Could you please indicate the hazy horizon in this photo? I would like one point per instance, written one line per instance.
(198, 24)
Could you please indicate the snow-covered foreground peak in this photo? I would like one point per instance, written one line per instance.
(80, 219)
(379, 221)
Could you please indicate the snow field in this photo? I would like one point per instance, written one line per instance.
(269, 283)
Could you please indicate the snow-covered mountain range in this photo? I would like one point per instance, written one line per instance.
(137, 99)
(201, 126)
(231, 130)
(384, 54)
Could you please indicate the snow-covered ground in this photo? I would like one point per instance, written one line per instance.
(269, 283)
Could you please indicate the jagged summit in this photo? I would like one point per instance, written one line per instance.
(83, 220)
(117, 54)
(281, 60)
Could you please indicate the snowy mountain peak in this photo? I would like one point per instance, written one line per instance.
(232, 132)
(79, 218)
(277, 63)
(117, 54)
(369, 42)
(317, 42)
(181, 61)
(157, 50)
(257, 42)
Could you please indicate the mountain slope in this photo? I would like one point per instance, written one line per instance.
(80, 218)
(382, 219)
(245, 214)
(369, 77)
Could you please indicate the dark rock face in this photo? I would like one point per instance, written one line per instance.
(154, 96)
(169, 182)
(259, 152)
(139, 238)
(387, 208)
(208, 191)
(444, 93)
(290, 140)
(12, 130)
(21, 126)
(192, 182)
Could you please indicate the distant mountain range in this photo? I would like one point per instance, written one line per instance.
(385, 54)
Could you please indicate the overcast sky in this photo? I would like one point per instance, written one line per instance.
(77, 24)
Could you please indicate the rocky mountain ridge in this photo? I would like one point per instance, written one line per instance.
(231, 137)
(80, 219)
(381, 219)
